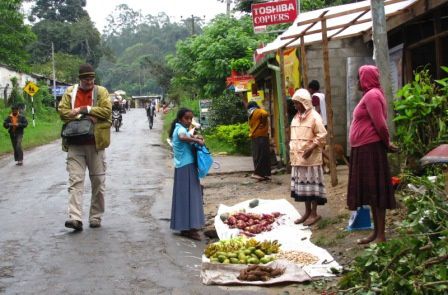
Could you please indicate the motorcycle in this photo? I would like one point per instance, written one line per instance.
(116, 120)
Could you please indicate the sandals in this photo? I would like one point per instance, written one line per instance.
(191, 234)
(260, 178)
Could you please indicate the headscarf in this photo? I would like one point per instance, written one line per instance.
(369, 78)
(251, 107)
(303, 96)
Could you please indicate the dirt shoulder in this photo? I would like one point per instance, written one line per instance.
(328, 233)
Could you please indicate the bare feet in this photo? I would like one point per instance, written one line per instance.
(302, 219)
(367, 240)
(312, 220)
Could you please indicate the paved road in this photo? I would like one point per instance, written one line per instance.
(134, 252)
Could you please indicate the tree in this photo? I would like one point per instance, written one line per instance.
(14, 35)
(202, 63)
(66, 67)
(67, 25)
(16, 96)
(59, 10)
(138, 45)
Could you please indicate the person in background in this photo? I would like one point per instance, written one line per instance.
(15, 123)
(187, 212)
(259, 135)
(117, 108)
(308, 135)
(369, 174)
(91, 101)
(318, 100)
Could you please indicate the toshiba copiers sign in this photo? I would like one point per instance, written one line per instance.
(271, 13)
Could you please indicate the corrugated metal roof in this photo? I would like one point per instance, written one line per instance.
(340, 24)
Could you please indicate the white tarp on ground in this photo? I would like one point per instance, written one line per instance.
(352, 30)
(291, 236)
(227, 274)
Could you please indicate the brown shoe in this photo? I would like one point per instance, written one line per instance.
(75, 224)
(95, 223)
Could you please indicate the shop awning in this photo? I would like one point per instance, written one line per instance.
(343, 21)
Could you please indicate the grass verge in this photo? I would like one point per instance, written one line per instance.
(48, 128)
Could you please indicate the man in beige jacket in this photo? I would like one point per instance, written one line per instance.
(92, 102)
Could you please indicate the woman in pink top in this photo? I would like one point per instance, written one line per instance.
(307, 140)
(369, 174)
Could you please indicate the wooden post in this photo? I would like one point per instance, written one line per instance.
(438, 44)
(330, 136)
(303, 62)
(285, 105)
(381, 50)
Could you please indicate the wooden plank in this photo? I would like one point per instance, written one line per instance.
(304, 62)
(438, 43)
(352, 22)
(329, 104)
(347, 12)
(417, 9)
(427, 40)
(285, 109)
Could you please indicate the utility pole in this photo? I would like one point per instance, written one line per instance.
(228, 7)
(193, 19)
(381, 56)
(54, 76)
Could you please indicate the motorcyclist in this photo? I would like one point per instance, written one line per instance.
(116, 107)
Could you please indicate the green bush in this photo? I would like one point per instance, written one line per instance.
(416, 260)
(227, 109)
(421, 116)
(233, 139)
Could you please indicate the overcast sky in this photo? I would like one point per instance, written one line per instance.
(100, 9)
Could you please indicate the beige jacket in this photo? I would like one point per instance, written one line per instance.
(102, 111)
(306, 130)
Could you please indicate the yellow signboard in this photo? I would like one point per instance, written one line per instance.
(31, 88)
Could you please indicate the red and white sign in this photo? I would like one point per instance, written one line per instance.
(271, 13)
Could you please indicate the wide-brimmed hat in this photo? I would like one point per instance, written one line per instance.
(86, 71)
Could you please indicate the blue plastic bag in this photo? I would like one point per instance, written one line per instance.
(204, 160)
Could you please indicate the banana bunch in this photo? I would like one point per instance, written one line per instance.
(211, 249)
(252, 243)
(269, 247)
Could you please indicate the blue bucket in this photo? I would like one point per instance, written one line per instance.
(360, 219)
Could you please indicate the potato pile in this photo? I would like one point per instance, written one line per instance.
(260, 273)
(298, 257)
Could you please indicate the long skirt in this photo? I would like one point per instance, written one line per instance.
(261, 156)
(187, 211)
(369, 180)
(307, 184)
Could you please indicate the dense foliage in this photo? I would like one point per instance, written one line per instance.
(202, 63)
(66, 67)
(234, 138)
(227, 108)
(14, 35)
(422, 115)
(139, 44)
(415, 261)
